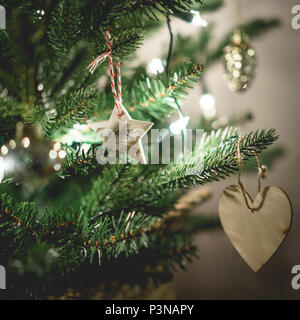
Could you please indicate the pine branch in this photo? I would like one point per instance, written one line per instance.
(152, 9)
(219, 162)
(130, 230)
(65, 27)
(99, 195)
(108, 236)
(76, 107)
(206, 6)
(79, 163)
(154, 184)
(111, 237)
(195, 48)
(10, 113)
(154, 98)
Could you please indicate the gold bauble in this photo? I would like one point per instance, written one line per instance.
(240, 62)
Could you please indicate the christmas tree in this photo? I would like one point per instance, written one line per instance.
(66, 220)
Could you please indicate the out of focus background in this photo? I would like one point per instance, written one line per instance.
(51, 229)
(273, 99)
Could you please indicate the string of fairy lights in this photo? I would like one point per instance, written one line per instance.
(207, 101)
(78, 135)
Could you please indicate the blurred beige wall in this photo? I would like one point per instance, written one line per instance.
(274, 100)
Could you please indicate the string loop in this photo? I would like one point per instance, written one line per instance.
(261, 174)
(117, 93)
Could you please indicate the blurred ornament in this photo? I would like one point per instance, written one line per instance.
(29, 158)
(240, 62)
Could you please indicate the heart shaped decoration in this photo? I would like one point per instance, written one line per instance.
(256, 235)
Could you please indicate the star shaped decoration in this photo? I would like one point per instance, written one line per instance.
(123, 134)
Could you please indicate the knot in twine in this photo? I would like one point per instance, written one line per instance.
(262, 173)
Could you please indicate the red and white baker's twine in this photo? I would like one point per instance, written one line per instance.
(93, 66)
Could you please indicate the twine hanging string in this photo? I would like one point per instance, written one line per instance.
(101, 58)
(239, 5)
(261, 175)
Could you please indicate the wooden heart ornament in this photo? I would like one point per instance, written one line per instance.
(255, 234)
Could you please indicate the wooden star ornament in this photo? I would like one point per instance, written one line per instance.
(123, 134)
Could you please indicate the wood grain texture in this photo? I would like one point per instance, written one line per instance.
(128, 133)
(255, 235)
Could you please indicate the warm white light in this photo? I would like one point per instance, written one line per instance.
(12, 144)
(75, 134)
(155, 66)
(52, 154)
(237, 57)
(67, 139)
(175, 78)
(41, 12)
(81, 127)
(8, 164)
(4, 150)
(71, 83)
(236, 74)
(207, 103)
(40, 87)
(62, 154)
(179, 125)
(198, 20)
(26, 142)
(76, 126)
(251, 52)
(238, 65)
(57, 146)
(85, 128)
(57, 167)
